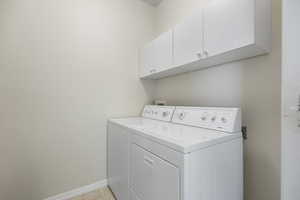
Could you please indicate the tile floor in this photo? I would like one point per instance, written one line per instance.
(100, 194)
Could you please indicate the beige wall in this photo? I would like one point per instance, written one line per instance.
(65, 67)
(253, 84)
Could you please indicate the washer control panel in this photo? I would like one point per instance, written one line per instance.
(222, 119)
(163, 113)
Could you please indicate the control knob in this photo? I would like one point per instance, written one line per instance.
(181, 116)
(213, 119)
(224, 120)
(165, 114)
(204, 116)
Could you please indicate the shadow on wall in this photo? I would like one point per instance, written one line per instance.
(215, 86)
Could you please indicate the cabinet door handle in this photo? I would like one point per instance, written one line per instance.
(295, 112)
(298, 112)
(206, 53)
(199, 55)
(299, 103)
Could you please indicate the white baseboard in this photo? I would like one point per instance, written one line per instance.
(79, 191)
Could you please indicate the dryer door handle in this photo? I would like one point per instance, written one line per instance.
(148, 160)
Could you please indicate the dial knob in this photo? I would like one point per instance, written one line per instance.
(165, 114)
(204, 116)
(223, 119)
(213, 119)
(181, 116)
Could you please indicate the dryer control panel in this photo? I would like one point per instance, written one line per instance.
(163, 113)
(222, 119)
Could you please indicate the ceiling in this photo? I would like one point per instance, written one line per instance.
(153, 2)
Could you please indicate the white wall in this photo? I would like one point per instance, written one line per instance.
(253, 84)
(65, 67)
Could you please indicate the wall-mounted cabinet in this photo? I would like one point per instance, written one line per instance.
(157, 55)
(223, 31)
(228, 25)
(188, 40)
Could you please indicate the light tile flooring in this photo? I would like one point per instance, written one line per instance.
(100, 194)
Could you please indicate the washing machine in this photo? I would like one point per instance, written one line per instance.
(177, 153)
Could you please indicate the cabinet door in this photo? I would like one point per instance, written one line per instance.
(153, 178)
(148, 59)
(164, 51)
(228, 25)
(188, 40)
(157, 55)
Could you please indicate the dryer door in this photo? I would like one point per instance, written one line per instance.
(151, 177)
